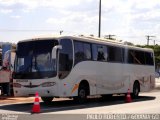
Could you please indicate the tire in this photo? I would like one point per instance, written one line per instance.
(82, 95)
(107, 96)
(136, 90)
(47, 99)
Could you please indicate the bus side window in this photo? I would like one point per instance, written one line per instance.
(149, 58)
(87, 51)
(115, 54)
(79, 52)
(82, 51)
(100, 53)
(130, 57)
(100, 56)
(65, 58)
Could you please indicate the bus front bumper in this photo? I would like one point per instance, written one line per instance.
(44, 92)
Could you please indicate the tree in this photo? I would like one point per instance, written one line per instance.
(128, 43)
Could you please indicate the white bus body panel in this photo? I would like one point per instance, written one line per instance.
(103, 78)
(108, 78)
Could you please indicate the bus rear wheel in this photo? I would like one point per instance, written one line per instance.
(47, 99)
(106, 97)
(136, 90)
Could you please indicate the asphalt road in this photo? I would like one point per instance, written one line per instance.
(147, 103)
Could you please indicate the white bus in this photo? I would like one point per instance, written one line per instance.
(70, 66)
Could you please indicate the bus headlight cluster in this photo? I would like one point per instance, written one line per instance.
(17, 85)
(48, 84)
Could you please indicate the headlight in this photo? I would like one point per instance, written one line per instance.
(48, 84)
(17, 85)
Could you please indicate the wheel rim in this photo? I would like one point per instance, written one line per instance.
(136, 90)
(82, 93)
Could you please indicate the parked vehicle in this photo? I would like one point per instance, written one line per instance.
(7, 63)
(77, 67)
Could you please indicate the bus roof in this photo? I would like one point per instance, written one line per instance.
(88, 39)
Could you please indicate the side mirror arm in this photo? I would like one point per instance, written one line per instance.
(54, 51)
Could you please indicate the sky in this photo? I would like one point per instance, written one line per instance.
(129, 20)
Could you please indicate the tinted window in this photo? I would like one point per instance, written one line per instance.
(139, 57)
(94, 51)
(87, 51)
(99, 52)
(34, 61)
(130, 55)
(82, 51)
(149, 58)
(65, 58)
(114, 54)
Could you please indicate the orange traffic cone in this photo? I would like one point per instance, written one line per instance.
(36, 106)
(128, 97)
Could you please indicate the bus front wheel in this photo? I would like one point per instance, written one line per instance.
(47, 99)
(82, 95)
(136, 90)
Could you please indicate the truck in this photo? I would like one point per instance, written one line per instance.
(7, 56)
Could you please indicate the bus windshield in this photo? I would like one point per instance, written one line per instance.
(34, 60)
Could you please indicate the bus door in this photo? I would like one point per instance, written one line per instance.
(65, 63)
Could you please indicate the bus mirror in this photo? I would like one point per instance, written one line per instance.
(54, 51)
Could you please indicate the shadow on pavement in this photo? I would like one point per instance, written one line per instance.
(65, 105)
